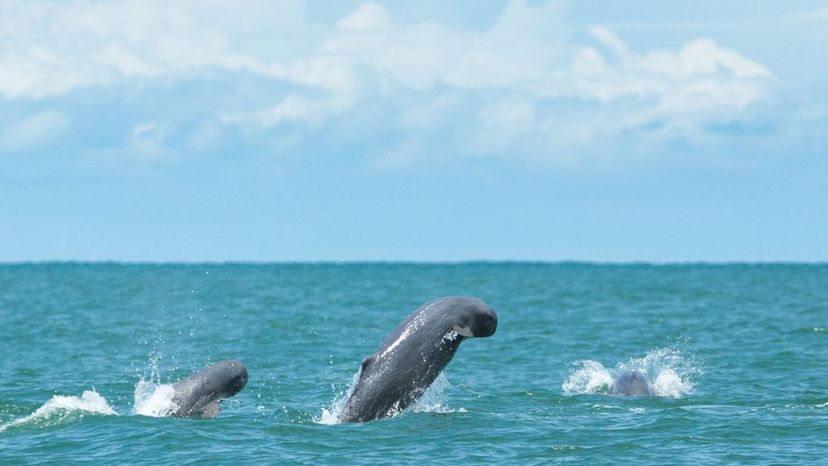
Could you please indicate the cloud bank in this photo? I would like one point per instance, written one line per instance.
(527, 86)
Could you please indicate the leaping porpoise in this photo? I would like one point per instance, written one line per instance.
(413, 355)
(631, 383)
(200, 394)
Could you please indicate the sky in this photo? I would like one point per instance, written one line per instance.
(288, 130)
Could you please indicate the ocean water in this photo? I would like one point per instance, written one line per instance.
(737, 355)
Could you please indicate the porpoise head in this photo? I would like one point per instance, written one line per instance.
(631, 383)
(235, 376)
(200, 394)
(472, 317)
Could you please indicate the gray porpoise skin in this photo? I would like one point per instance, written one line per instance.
(631, 383)
(413, 355)
(199, 395)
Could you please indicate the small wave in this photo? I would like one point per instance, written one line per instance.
(153, 399)
(60, 409)
(671, 374)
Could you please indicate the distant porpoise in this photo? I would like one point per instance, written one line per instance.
(200, 394)
(631, 383)
(414, 354)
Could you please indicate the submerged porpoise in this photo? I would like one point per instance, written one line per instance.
(631, 383)
(414, 354)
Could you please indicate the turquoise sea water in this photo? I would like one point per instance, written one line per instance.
(738, 355)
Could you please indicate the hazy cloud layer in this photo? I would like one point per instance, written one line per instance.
(522, 87)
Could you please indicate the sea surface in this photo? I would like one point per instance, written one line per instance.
(737, 356)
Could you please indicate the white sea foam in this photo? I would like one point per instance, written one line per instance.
(669, 383)
(153, 399)
(671, 374)
(587, 377)
(435, 399)
(61, 408)
(432, 401)
(330, 416)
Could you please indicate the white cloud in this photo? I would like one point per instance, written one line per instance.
(52, 48)
(293, 108)
(697, 83)
(523, 46)
(148, 140)
(369, 17)
(513, 84)
(502, 123)
(33, 131)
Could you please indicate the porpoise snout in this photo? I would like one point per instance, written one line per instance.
(487, 323)
(236, 374)
(477, 318)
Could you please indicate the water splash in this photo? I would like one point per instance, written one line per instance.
(61, 409)
(669, 383)
(153, 399)
(433, 400)
(671, 374)
(588, 377)
(330, 416)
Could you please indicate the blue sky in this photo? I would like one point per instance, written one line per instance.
(428, 130)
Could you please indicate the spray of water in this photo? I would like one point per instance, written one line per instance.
(153, 399)
(588, 377)
(331, 415)
(433, 400)
(61, 409)
(671, 374)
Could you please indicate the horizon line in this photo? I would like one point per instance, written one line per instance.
(411, 262)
